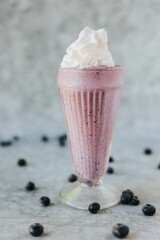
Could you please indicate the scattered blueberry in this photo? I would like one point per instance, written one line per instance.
(44, 138)
(6, 143)
(120, 230)
(72, 178)
(111, 159)
(45, 201)
(135, 201)
(30, 186)
(147, 151)
(148, 210)
(21, 162)
(110, 170)
(94, 207)
(127, 196)
(36, 229)
(62, 140)
(16, 138)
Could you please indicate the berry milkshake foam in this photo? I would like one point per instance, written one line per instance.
(89, 85)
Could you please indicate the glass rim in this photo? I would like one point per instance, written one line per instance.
(100, 68)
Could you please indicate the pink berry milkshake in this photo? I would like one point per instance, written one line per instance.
(90, 98)
(89, 85)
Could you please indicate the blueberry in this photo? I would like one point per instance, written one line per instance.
(45, 201)
(16, 138)
(120, 230)
(44, 138)
(147, 151)
(111, 159)
(6, 143)
(36, 229)
(148, 210)
(30, 186)
(72, 178)
(135, 201)
(159, 166)
(21, 162)
(62, 140)
(110, 170)
(127, 196)
(94, 207)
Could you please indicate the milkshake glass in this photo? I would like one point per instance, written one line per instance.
(89, 98)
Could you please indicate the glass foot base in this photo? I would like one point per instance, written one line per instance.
(80, 195)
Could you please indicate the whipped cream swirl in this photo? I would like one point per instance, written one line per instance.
(89, 50)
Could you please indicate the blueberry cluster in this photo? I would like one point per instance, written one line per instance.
(127, 197)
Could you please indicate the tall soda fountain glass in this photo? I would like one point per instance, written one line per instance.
(89, 98)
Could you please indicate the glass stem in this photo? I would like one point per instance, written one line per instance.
(90, 183)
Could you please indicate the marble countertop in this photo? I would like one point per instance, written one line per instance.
(49, 166)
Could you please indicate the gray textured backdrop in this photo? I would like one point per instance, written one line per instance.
(35, 33)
